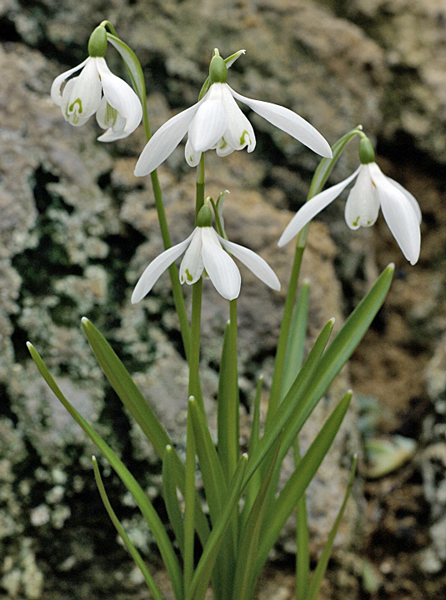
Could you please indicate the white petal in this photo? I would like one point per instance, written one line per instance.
(409, 196)
(210, 121)
(191, 267)
(56, 95)
(312, 207)
(122, 98)
(108, 118)
(164, 141)
(220, 267)
(156, 268)
(82, 95)
(192, 157)
(239, 132)
(362, 206)
(290, 122)
(254, 262)
(400, 216)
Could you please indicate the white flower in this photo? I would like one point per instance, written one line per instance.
(97, 90)
(371, 191)
(204, 250)
(217, 123)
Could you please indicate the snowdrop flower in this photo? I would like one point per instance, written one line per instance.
(97, 90)
(205, 250)
(217, 123)
(371, 191)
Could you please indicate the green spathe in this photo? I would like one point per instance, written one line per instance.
(218, 71)
(366, 152)
(97, 44)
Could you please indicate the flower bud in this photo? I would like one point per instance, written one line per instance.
(97, 44)
(204, 217)
(218, 71)
(366, 152)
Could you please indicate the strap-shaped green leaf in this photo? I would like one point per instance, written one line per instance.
(154, 522)
(253, 487)
(203, 572)
(151, 584)
(291, 401)
(245, 574)
(299, 480)
(171, 498)
(321, 567)
(136, 404)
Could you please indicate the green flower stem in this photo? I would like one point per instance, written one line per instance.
(200, 185)
(194, 349)
(189, 502)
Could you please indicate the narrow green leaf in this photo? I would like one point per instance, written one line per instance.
(214, 480)
(296, 340)
(300, 479)
(291, 400)
(245, 574)
(203, 572)
(151, 584)
(321, 567)
(145, 506)
(171, 498)
(141, 411)
(302, 538)
(253, 487)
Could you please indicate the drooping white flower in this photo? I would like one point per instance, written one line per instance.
(97, 90)
(205, 250)
(217, 123)
(371, 191)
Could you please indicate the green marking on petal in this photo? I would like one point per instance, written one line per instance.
(111, 115)
(73, 111)
(223, 143)
(242, 138)
(188, 275)
(356, 222)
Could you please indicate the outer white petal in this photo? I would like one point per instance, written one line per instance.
(400, 216)
(290, 122)
(409, 196)
(210, 121)
(165, 140)
(239, 132)
(254, 262)
(56, 95)
(220, 267)
(311, 208)
(82, 99)
(122, 98)
(156, 268)
(362, 206)
(191, 267)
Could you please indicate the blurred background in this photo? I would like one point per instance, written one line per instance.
(77, 229)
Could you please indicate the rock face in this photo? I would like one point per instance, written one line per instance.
(77, 229)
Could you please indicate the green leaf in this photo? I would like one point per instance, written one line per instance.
(291, 401)
(171, 498)
(337, 353)
(321, 567)
(302, 538)
(136, 404)
(203, 572)
(214, 480)
(154, 589)
(299, 480)
(146, 508)
(253, 487)
(296, 340)
(245, 574)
